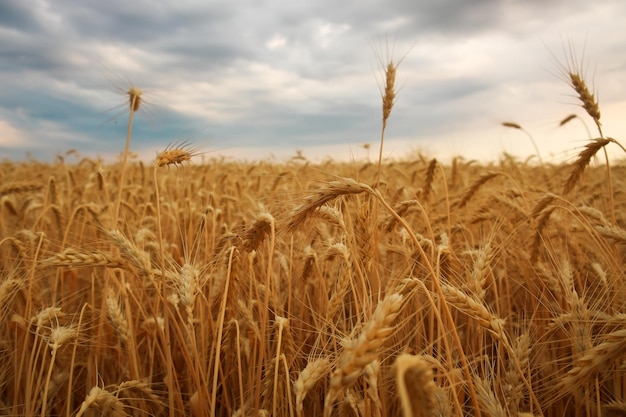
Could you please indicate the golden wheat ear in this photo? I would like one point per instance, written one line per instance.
(388, 93)
(175, 154)
(587, 99)
(567, 119)
(584, 158)
(572, 71)
(134, 98)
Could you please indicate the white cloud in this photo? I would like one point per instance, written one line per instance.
(327, 33)
(12, 137)
(275, 42)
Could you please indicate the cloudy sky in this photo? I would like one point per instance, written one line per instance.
(253, 79)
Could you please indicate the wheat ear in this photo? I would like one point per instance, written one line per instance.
(116, 316)
(476, 310)
(540, 225)
(489, 322)
(389, 98)
(514, 388)
(614, 234)
(258, 232)
(614, 408)
(342, 285)
(139, 396)
(586, 97)
(594, 361)
(19, 187)
(59, 335)
(567, 119)
(307, 378)
(334, 189)
(175, 154)
(73, 258)
(136, 257)
(584, 157)
(107, 404)
(469, 193)
(416, 386)
(362, 350)
(9, 288)
(428, 183)
(487, 399)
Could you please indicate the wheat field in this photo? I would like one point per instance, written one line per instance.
(206, 287)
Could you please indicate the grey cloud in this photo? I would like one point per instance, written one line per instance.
(19, 16)
(59, 45)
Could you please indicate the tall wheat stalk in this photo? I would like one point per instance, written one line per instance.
(573, 72)
(388, 100)
(134, 101)
(174, 155)
(514, 125)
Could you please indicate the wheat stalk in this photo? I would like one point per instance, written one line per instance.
(59, 336)
(388, 100)
(134, 102)
(516, 126)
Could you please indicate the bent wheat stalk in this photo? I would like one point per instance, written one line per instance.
(514, 125)
(416, 385)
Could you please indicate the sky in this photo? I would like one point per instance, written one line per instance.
(266, 79)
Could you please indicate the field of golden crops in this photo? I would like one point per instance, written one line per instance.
(409, 288)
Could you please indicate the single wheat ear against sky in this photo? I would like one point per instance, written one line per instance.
(260, 81)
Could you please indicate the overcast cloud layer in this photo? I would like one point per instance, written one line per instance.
(251, 78)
